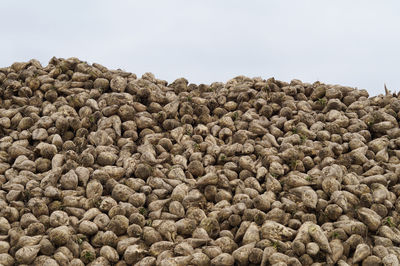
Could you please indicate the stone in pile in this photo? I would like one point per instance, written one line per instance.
(100, 167)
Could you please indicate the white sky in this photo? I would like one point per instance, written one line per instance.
(354, 43)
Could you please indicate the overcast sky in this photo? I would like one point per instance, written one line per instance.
(354, 43)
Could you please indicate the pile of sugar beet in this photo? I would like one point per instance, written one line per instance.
(100, 167)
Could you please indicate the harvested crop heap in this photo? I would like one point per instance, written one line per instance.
(100, 167)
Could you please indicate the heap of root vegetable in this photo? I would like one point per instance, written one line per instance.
(101, 167)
